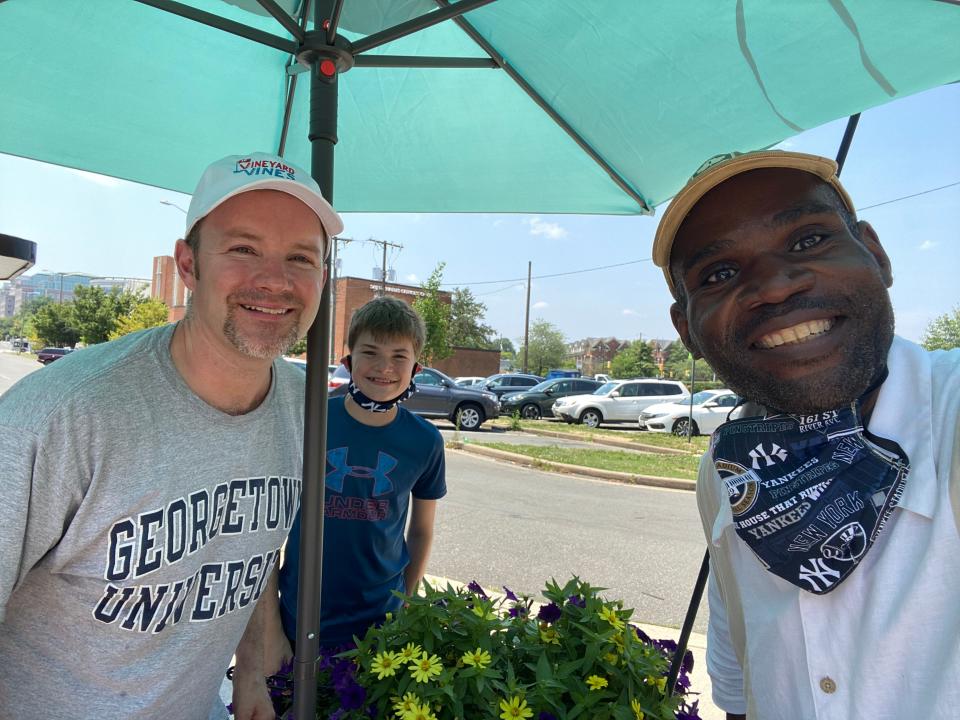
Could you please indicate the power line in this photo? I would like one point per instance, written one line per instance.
(634, 262)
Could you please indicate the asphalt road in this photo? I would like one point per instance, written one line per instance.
(14, 366)
(502, 524)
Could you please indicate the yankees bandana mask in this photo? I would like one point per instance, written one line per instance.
(809, 493)
(373, 405)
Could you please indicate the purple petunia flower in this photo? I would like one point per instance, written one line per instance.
(510, 595)
(642, 635)
(351, 695)
(577, 600)
(337, 714)
(549, 613)
(546, 716)
(688, 712)
(475, 588)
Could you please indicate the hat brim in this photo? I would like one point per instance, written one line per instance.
(329, 219)
(700, 185)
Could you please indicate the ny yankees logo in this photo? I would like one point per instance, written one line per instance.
(819, 572)
(382, 484)
(775, 452)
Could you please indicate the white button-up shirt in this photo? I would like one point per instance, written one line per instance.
(886, 642)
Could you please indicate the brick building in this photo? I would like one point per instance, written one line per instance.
(593, 355)
(168, 288)
(353, 292)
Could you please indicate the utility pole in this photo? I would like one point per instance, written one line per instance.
(383, 269)
(526, 324)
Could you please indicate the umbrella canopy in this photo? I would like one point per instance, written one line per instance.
(508, 106)
(125, 89)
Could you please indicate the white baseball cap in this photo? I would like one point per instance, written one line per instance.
(237, 174)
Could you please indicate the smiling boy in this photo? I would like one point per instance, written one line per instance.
(379, 456)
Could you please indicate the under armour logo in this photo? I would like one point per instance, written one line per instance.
(775, 452)
(819, 572)
(380, 475)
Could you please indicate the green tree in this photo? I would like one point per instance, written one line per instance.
(97, 312)
(466, 321)
(548, 348)
(436, 316)
(943, 333)
(54, 324)
(635, 360)
(147, 313)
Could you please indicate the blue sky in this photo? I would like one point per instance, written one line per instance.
(95, 224)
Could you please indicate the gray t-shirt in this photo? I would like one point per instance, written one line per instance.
(138, 527)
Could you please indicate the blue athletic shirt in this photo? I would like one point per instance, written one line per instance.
(371, 474)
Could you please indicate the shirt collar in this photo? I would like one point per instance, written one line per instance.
(903, 414)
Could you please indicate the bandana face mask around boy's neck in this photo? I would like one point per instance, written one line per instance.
(809, 493)
(374, 405)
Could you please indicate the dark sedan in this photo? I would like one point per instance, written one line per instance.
(536, 402)
(48, 355)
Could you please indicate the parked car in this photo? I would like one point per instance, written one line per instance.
(563, 374)
(469, 380)
(710, 410)
(302, 364)
(618, 401)
(438, 396)
(536, 402)
(48, 355)
(602, 377)
(503, 383)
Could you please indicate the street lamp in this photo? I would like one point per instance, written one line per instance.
(16, 256)
(174, 205)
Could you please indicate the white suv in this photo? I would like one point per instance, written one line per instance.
(618, 401)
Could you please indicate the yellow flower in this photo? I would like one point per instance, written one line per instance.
(410, 653)
(637, 712)
(478, 659)
(549, 634)
(385, 665)
(610, 615)
(514, 709)
(408, 702)
(596, 682)
(611, 658)
(660, 682)
(619, 641)
(419, 712)
(427, 667)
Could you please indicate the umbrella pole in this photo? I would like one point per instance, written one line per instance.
(323, 137)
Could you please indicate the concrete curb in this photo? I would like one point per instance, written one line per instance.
(613, 442)
(627, 478)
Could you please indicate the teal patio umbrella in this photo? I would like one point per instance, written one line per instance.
(548, 106)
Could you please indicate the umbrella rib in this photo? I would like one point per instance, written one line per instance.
(554, 115)
(278, 13)
(221, 23)
(334, 21)
(291, 87)
(415, 61)
(409, 27)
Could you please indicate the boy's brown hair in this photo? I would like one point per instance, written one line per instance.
(387, 318)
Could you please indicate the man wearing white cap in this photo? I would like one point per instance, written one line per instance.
(831, 504)
(149, 482)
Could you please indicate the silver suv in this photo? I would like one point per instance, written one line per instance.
(618, 401)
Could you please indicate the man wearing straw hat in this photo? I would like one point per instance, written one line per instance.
(149, 482)
(831, 505)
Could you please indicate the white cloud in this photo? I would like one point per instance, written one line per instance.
(412, 277)
(540, 305)
(498, 222)
(628, 311)
(927, 245)
(103, 180)
(554, 231)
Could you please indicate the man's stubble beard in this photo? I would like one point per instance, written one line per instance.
(862, 363)
(267, 349)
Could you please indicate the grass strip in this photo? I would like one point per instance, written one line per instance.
(676, 466)
(698, 444)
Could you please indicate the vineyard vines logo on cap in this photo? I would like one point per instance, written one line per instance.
(776, 452)
(252, 167)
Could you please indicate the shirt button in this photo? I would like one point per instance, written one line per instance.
(828, 685)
